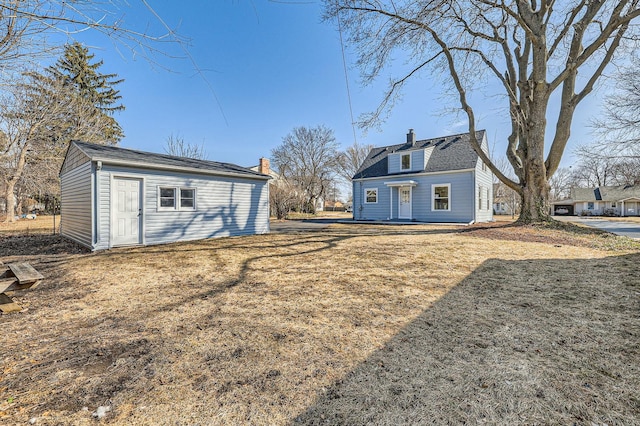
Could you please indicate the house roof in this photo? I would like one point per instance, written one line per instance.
(605, 193)
(129, 157)
(449, 153)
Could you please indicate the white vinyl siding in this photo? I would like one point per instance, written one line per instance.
(484, 180)
(75, 204)
(226, 206)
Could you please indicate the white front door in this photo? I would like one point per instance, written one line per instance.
(126, 210)
(404, 202)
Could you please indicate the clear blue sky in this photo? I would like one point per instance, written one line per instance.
(272, 66)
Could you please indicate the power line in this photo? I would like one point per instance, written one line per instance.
(346, 78)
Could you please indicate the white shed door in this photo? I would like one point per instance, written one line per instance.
(404, 202)
(126, 211)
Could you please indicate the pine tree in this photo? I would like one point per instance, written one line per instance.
(76, 69)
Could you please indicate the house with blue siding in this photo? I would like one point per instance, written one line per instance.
(112, 197)
(439, 180)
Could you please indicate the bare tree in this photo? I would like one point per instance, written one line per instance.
(532, 49)
(593, 168)
(177, 146)
(37, 119)
(600, 165)
(284, 197)
(26, 24)
(349, 161)
(560, 184)
(307, 159)
(619, 127)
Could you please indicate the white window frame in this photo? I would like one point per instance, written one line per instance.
(365, 195)
(480, 191)
(175, 198)
(177, 191)
(195, 197)
(433, 197)
(401, 157)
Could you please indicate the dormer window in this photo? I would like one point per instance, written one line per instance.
(405, 163)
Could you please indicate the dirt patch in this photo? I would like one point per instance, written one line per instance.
(350, 325)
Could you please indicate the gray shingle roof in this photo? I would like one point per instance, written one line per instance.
(449, 153)
(605, 193)
(150, 159)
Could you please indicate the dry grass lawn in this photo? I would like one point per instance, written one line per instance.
(351, 325)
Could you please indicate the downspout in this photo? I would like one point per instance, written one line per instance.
(96, 203)
(360, 194)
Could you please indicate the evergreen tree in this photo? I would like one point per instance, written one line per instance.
(75, 69)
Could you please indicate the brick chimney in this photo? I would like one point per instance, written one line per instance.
(411, 137)
(263, 166)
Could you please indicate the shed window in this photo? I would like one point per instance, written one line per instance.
(406, 162)
(168, 198)
(187, 199)
(371, 196)
(173, 198)
(440, 198)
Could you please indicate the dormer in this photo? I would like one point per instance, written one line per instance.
(410, 157)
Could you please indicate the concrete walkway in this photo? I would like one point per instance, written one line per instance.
(627, 229)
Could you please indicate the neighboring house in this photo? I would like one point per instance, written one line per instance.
(601, 201)
(114, 197)
(432, 180)
(506, 201)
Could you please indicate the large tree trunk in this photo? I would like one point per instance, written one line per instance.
(535, 204)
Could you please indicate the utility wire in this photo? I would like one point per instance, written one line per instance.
(346, 79)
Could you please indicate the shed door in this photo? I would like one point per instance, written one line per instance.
(126, 211)
(404, 202)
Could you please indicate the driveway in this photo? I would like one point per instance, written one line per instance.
(627, 229)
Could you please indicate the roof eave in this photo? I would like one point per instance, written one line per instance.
(178, 168)
(442, 172)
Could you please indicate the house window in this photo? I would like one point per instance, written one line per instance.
(171, 198)
(167, 198)
(440, 197)
(590, 205)
(488, 204)
(479, 198)
(484, 166)
(613, 205)
(371, 196)
(406, 162)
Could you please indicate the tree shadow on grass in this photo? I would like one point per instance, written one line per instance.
(516, 342)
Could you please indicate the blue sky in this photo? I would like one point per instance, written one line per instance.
(272, 66)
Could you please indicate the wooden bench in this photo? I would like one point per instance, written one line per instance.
(16, 276)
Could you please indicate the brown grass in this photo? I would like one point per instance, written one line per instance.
(352, 325)
(39, 225)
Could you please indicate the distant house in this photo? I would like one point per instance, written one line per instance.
(113, 197)
(432, 180)
(603, 200)
(506, 201)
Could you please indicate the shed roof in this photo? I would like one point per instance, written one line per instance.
(132, 158)
(449, 153)
(605, 193)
